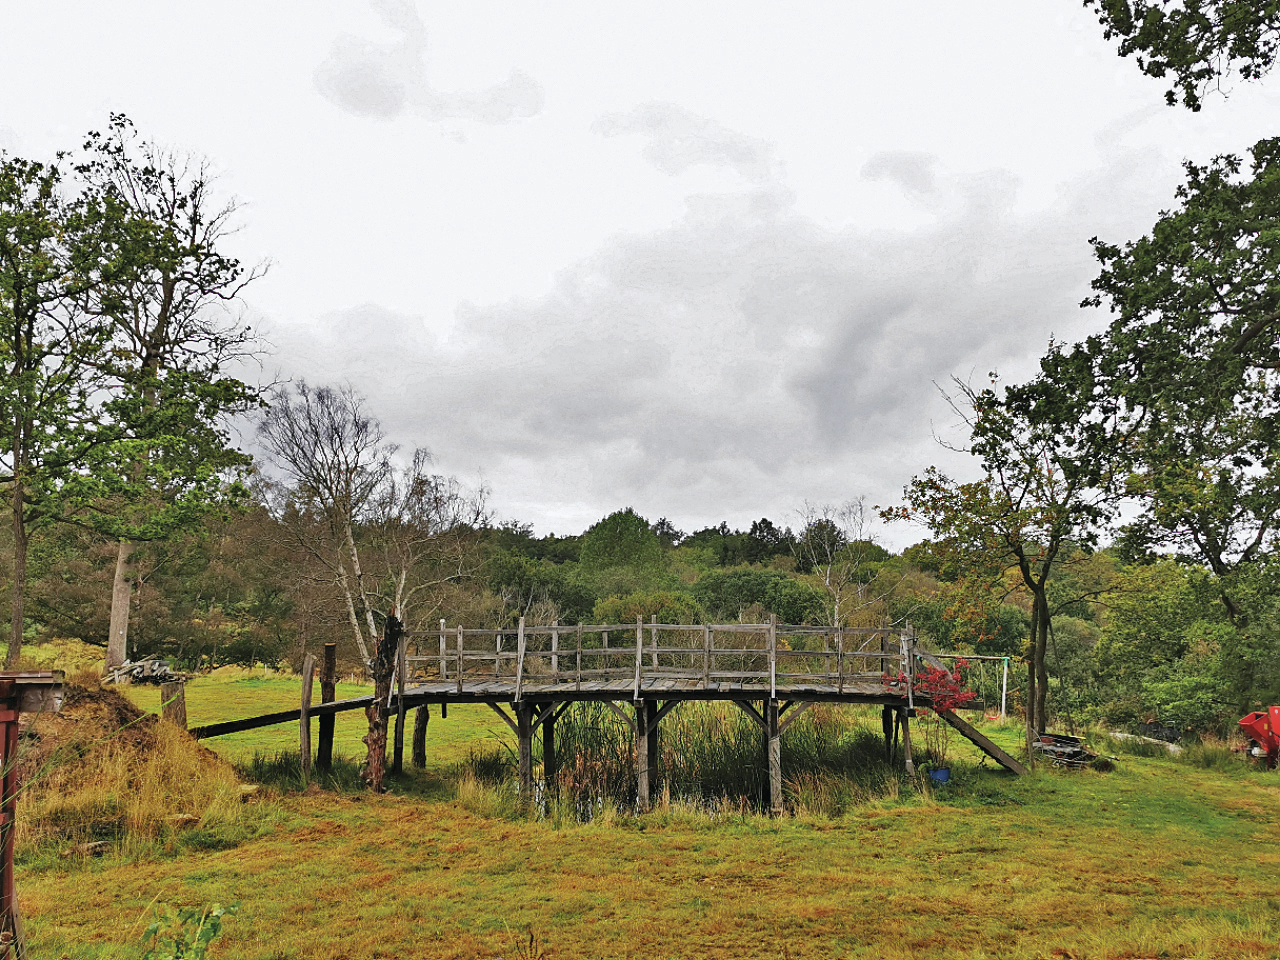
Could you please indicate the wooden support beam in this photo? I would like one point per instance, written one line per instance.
(550, 768)
(800, 707)
(665, 709)
(402, 662)
(984, 744)
(887, 715)
(421, 717)
(749, 709)
(642, 754)
(304, 715)
(631, 724)
(503, 714)
(651, 742)
(904, 715)
(524, 733)
(773, 739)
(328, 693)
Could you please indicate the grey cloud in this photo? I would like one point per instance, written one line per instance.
(745, 358)
(678, 139)
(909, 169)
(389, 80)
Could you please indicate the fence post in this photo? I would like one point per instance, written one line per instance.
(402, 663)
(173, 695)
(520, 659)
(444, 669)
(304, 715)
(328, 693)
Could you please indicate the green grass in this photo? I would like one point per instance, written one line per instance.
(214, 699)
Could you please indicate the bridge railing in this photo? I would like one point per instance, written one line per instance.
(706, 655)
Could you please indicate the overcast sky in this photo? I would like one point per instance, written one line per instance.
(707, 259)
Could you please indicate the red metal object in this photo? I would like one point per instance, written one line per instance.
(1263, 729)
(19, 693)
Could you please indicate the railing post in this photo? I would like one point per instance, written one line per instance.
(520, 659)
(773, 656)
(577, 684)
(444, 670)
(840, 658)
(459, 658)
(555, 652)
(706, 656)
(639, 654)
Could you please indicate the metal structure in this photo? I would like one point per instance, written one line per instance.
(31, 693)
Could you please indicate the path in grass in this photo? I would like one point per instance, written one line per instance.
(229, 697)
(1153, 859)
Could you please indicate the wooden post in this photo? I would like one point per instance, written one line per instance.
(328, 693)
(402, 663)
(524, 734)
(639, 656)
(642, 754)
(520, 660)
(840, 658)
(444, 668)
(304, 715)
(706, 656)
(773, 656)
(421, 717)
(775, 758)
(577, 683)
(1004, 689)
(651, 742)
(653, 637)
(906, 741)
(550, 769)
(886, 722)
(173, 697)
(766, 794)
(555, 652)
(459, 658)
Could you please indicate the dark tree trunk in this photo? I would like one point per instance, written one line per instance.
(384, 663)
(19, 577)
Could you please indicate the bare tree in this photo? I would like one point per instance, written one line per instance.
(835, 545)
(336, 461)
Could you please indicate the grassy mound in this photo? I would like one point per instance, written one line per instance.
(104, 775)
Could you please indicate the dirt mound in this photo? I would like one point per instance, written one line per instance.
(92, 717)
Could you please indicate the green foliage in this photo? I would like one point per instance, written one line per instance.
(185, 933)
(1198, 42)
(726, 593)
(523, 581)
(622, 539)
(668, 607)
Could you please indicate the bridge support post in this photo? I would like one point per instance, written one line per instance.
(550, 769)
(642, 753)
(905, 715)
(421, 717)
(524, 734)
(773, 738)
(651, 742)
(887, 724)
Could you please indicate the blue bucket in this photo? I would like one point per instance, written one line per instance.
(940, 776)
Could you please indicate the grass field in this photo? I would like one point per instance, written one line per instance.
(233, 694)
(1157, 858)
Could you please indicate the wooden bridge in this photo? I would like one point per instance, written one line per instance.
(529, 675)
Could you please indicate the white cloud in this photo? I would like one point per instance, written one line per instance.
(388, 80)
(678, 139)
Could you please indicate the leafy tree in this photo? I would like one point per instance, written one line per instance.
(56, 246)
(667, 606)
(622, 539)
(1183, 385)
(726, 593)
(173, 332)
(1198, 42)
(1033, 504)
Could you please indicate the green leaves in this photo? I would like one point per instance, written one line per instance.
(185, 933)
(1198, 42)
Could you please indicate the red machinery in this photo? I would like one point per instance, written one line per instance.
(1263, 730)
